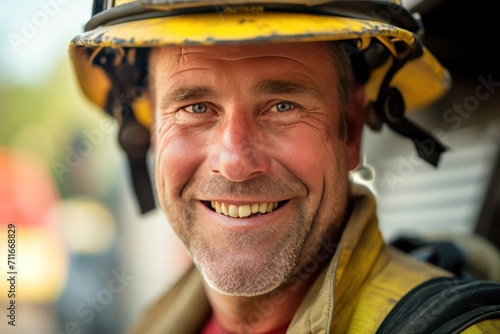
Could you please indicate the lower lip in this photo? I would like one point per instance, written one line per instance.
(242, 224)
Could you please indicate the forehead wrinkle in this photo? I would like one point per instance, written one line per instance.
(171, 61)
(188, 69)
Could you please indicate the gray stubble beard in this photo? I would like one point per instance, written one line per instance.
(245, 273)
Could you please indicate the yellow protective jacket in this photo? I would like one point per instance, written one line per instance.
(355, 291)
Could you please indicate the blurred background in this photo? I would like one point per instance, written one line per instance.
(87, 262)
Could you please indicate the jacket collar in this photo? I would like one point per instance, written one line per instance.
(332, 294)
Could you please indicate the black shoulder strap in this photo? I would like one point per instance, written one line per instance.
(443, 306)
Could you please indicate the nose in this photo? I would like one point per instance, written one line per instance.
(238, 148)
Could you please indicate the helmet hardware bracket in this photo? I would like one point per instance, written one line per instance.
(390, 109)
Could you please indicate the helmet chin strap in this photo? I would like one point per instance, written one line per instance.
(135, 141)
(390, 109)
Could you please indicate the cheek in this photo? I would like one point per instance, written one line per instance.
(178, 156)
(312, 157)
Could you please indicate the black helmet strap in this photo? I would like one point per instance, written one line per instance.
(135, 141)
(390, 109)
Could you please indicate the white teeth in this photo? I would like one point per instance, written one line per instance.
(270, 207)
(262, 207)
(224, 209)
(233, 211)
(243, 211)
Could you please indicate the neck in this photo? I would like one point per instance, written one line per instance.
(263, 313)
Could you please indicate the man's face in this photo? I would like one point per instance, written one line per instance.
(251, 166)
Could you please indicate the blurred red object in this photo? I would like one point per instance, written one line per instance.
(27, 191)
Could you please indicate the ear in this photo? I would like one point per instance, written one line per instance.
(354, 123)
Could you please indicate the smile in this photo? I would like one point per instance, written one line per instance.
(246, 210)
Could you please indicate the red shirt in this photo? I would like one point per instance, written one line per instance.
(213, 327)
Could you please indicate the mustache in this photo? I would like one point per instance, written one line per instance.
(262, 186)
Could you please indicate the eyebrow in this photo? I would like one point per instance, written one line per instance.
(186, 93)
(284, 87)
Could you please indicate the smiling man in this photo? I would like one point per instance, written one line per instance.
(255, 112)
(266, 176)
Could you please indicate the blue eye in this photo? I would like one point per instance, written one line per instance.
(197, 108)
(284, 106)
